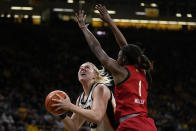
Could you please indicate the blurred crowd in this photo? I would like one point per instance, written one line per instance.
(35, 60)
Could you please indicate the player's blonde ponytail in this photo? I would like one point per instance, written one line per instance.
(102, 76)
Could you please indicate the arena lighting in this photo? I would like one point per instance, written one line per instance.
(16, 16)
(134, 21)
(27, 8)
(82, 2)
(178, 15)
(189, 15)
(8, 15)
(172, 22)
(26, 16)
(182, 23)
(62, 10)
(96, 19)
(20, 8)
(109, 11)
(150, 21)
(142, 4)
(64, 17)
(153, 5)
(140, 13)
(116, 20)
(191, 23)
(101, 33)
(121, 20)
(125, 20)
(144, 21)
(153, 21)
(36, 16)
(70, 1)
(163, 22)
(16, 8)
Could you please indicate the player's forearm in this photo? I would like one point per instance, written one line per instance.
(89, 115)
(91, 40)
(69, 124)
(95, 46)
(117, 33)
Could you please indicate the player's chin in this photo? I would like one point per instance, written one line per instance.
(82, 79)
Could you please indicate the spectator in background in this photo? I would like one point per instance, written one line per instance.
(32, 126)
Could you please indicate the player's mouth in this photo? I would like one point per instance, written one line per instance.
(83, 74)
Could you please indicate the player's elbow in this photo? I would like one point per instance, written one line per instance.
(98, 121)
(98, 118)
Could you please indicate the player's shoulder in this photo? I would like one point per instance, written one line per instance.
(101, 86)
(101, 89)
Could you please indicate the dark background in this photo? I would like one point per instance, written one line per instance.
(36, 59)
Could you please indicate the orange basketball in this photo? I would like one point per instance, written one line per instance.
(49, 102)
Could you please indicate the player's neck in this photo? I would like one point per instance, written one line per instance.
(87, 87)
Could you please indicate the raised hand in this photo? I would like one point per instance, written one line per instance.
(81, 17)
(103, 13)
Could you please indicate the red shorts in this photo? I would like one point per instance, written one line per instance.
(138, 123)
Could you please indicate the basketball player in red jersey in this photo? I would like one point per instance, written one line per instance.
(129, 75)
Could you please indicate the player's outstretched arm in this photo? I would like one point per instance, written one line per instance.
(109, 63)
(104, 15)
(91, 40)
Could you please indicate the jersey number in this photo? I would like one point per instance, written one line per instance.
(140, 86)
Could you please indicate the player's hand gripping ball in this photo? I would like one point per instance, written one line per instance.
(49, 102)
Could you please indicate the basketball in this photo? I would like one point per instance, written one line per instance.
(49, 102)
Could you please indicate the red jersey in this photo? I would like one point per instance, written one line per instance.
(131, 94)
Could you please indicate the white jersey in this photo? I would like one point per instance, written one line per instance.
(108, 123)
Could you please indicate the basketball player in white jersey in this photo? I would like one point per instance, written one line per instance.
(96, 104)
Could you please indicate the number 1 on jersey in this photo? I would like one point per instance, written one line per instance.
(140, 86)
